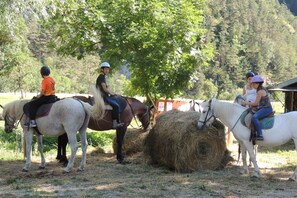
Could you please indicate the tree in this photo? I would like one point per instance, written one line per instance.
(161, 42)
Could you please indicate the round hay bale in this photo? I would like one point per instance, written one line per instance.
(176, 142)
(133, 141)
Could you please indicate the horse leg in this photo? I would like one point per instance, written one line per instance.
(294, 176)
(84, 145)
(64, 143)
(245, 169)
(250, 148)
(61, 152)
(40, 149)
(28, 137)
(255, 152)
(120, 134)
(73, 145)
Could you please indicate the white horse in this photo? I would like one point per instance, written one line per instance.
(66, 116)
(283, 130)
(238, 99)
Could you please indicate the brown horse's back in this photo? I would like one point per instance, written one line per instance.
(106, 122)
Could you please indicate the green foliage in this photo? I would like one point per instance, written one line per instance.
(159, 41)
(165, 44)
(254, 36)
(12, 141)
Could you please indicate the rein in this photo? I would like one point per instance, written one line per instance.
(132, 113)
(147, 111)
(207, 119)
(14, 125)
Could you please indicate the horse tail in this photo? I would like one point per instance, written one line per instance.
(98, 109)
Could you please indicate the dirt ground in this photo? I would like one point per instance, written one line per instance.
(104, 177)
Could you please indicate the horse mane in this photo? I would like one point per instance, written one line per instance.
(15, 107)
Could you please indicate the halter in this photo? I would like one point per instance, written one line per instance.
(208, 112)
(142, 117)
(9, 121)
(149, 116)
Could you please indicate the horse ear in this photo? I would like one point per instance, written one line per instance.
(1, 106)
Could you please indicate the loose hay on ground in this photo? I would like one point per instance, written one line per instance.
(175, 142)
(133, 141)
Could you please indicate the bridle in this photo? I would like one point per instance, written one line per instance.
(148, 112)
(10, 123)
(209, 111)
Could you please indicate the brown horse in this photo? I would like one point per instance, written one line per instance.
(132, 108)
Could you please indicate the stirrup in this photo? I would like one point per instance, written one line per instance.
(260, 138)
(31, 124)
(118, 125)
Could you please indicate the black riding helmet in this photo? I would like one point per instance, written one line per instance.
(250, 74)
(45, 71)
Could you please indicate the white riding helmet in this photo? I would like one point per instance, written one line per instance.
(105, 64)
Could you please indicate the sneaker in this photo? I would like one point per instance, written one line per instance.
(260, 138)
(118, 125)
(31, 124)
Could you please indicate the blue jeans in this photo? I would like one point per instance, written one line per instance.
(115, 107)
(260, 114)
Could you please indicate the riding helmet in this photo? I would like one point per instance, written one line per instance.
(105, 64)
(45, 71)
(250, 74)
(257, 79)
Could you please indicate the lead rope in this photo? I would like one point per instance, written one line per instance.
(238, 119)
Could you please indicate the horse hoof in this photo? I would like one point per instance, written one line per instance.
(291, 179)
(123, 162)
(255, 175)
(41, 167)
(24, 170)
(66, 170)
(243, 172)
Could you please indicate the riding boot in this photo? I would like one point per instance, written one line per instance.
(260, 135)
(116, 124)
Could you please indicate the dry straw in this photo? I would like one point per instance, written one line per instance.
(175, 142)
(133, 141)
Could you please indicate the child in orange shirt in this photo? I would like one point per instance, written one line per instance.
(47, 93)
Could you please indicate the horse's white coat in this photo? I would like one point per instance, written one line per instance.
(283, 130)
(68, 115)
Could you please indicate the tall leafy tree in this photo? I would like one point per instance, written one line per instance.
(160, 41)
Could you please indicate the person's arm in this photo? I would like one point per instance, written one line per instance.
(243, 91)
(42, 91)
(105, 89)
(257, 101)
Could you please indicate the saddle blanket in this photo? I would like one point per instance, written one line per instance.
(246, 119)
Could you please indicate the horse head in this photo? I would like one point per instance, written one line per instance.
(141, 110)
(9, 120)
(12, 112)
(145, 118)
(207, 114)
(194, 106)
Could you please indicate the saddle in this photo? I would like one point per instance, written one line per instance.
(43, 110)
(246, 120)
